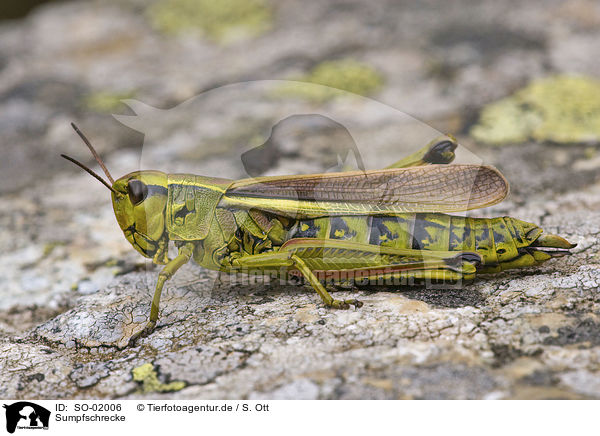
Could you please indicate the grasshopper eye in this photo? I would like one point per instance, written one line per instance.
(138, 191)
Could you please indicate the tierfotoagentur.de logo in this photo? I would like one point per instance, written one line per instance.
(27, 416)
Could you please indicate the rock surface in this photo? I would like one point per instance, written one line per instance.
(73, 289)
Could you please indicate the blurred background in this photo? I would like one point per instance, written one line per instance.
(516, 82)
(499, 73)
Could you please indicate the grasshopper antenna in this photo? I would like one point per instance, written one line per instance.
(87, 142)
(93, 174)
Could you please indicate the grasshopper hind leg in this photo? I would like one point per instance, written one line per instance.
(287, 260)
(368, 262)
(440, 151)
(317, 286)
(435, 277)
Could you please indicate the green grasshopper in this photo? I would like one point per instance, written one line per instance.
(332, 227)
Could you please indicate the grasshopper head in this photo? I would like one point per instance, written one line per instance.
(139, 201)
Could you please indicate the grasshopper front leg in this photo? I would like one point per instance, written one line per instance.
(183, 257)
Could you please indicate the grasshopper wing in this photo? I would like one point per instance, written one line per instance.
(436, 188)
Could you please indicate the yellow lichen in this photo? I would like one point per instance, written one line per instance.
(338, 76)
(104, 101)
(560, 109)
(50, 246)
(222, 21)
(147, 376)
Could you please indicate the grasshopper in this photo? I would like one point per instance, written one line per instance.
(330, 228)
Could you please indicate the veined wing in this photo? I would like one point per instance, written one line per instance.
(436, 188)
